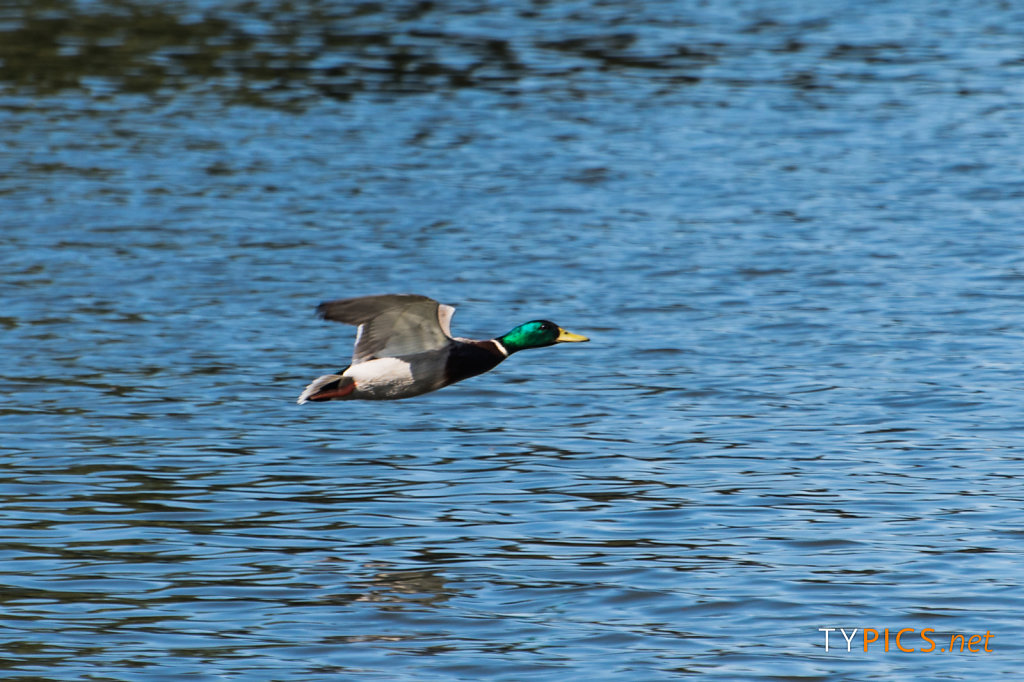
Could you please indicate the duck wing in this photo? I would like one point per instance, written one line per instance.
(392, 324)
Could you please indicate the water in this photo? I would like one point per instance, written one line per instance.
(792, 231)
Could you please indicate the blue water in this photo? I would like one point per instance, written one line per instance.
(791, 230)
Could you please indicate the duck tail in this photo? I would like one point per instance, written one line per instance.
(327, 387)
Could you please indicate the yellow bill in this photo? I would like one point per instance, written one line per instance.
(564, 336)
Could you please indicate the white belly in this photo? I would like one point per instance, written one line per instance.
(383, 379)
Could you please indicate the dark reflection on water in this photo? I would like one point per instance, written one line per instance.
(264, 52)
(792, 231)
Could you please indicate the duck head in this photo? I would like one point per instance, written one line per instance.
(537, 334)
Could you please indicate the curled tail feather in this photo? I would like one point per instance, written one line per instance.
(327, 387)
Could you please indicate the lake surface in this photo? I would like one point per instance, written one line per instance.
(792, 230)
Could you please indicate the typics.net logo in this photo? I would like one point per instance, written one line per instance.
(907, 640)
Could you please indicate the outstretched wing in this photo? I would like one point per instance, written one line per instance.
(392, 324)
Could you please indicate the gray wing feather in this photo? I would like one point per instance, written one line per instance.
(392, 324)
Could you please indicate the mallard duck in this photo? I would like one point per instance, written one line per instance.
(404, 348)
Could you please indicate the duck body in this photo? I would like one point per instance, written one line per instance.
(407, 376)
(404, 348)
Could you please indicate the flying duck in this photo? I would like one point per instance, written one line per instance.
(404, 348)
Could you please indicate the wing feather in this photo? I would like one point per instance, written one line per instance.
(392, 325)
(444, 318)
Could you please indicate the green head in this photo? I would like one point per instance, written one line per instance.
(537, 334)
